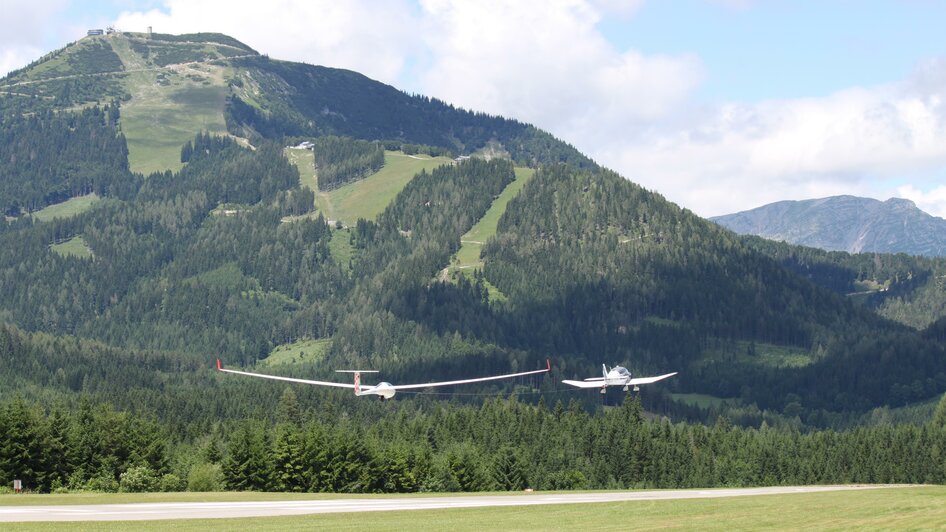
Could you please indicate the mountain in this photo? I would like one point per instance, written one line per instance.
(845, 223)
(198, 238)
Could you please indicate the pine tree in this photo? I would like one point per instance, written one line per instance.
(289, 411)
(507, 470)
(247, 467)
(288, 460)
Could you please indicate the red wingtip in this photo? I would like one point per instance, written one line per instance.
(218, 364)
(549, 362)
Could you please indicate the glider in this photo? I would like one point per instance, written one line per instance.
(616, 376)
(384, 390)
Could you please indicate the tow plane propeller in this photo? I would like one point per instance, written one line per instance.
(616, 376)
(384, 390)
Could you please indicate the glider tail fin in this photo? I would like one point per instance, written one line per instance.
(357, 383)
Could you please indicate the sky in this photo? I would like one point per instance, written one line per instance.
(719, 105)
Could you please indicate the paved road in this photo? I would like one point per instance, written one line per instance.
(203, 510)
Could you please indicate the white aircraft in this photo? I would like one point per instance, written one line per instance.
(616, 376)
(384, 390)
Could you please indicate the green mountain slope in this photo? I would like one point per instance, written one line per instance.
(199, 259)
(368, 197)
(903, 288)
(273, 99)
(177, 87)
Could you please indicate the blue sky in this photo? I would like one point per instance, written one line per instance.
(721, 105)
(787, 49)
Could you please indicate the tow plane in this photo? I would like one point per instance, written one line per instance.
(384, 390)
(616, 376)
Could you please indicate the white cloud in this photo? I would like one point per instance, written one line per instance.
(738, 156)
(374, 38)
(23, 27)
(932, 201)
(621, 8)
(540, 61)
(546, 63)
(17, 56)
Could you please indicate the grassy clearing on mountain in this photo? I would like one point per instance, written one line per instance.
(891, 508)
(340, 247)
(368, 197)
(698, 399)
(167, 108)
(226, 276)
(156, 126)
(70, 207)
(760, 354)
(297, 352)
(304, 160)
(468, 257)
(74, 247)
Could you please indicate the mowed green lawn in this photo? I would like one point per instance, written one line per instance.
(70, 207)
(367, 197)
(891, 508)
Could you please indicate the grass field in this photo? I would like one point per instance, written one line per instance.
(70, 207)
(305, 162)
(296, 352)
(894, 508)
(366, 198)
(767, 355)
(162, 116)
(228, 275)
(75, 247)
(340, 247)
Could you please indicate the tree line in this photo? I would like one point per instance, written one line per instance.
(502, 444)
(300, 100)
(341, 160)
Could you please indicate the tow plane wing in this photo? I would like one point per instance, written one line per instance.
(616, 376)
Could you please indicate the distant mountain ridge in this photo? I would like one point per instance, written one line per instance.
(845, 223)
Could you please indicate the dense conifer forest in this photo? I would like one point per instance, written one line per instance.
(50, 157)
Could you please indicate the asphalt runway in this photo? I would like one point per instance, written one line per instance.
(220, 510)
